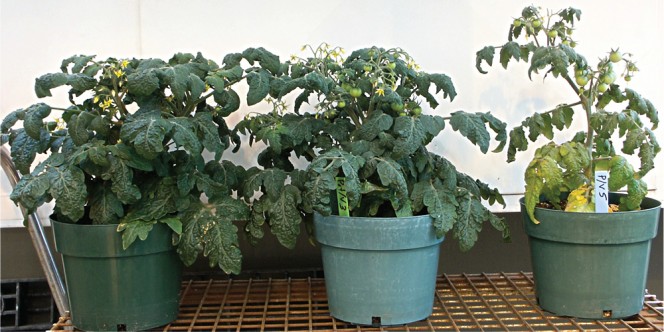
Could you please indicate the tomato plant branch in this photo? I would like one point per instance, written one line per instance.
(66, 110)
(353, 115)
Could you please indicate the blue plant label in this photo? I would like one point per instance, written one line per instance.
(342, 197)
(601, 189)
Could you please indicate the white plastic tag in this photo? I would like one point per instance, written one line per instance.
(601, 191)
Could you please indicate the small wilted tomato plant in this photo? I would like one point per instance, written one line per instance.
(612, 113)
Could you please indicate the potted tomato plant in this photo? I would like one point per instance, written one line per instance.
(381, 201)
(590, 246)
(137, 154)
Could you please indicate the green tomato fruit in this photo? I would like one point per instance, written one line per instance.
(609, 77)
(346, 86)
(391, 65)
(341, 104)
(537, 23)
(602, 87)
(416, 111)
(517, 22)
(397, 107)
(581, 80)
(367, 68)
(614, 56)
(552, 33)
(355, 92)
(628, 78)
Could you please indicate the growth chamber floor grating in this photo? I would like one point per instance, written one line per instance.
(467, 302)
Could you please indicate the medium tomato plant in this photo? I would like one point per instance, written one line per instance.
(376, 142)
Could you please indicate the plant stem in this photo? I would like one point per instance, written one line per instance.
(353, 115)
(116, 95)
(371, 105)
(65, 110)
(586, 103)
(601, 158)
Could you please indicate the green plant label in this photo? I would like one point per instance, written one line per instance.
(601, 187)
(342, 197)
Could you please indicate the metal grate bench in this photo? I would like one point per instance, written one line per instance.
(465, 302)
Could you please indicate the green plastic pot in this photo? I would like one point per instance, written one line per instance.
(111, 289)
(379, 271)
(592, 265)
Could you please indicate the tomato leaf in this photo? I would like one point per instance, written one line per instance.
(284, 216)
(486, 54)
(136, 229)
(105, 207)
(45, 83)
(259, 86)
(146, 131)
(472, 127)
(508, 51)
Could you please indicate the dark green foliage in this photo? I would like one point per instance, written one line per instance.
(109, 164)
(374, 137)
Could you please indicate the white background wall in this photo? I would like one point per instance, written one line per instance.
(442, 36)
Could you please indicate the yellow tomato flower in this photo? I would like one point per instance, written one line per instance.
(59, 124)
(106, 104)
(380, 92)
(124, 63)
(118, 72)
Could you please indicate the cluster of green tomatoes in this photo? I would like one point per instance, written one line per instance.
(607, 75)
(534, 25)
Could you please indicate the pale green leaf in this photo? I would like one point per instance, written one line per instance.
(539, 170)
(621, 173)
(636, 191)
